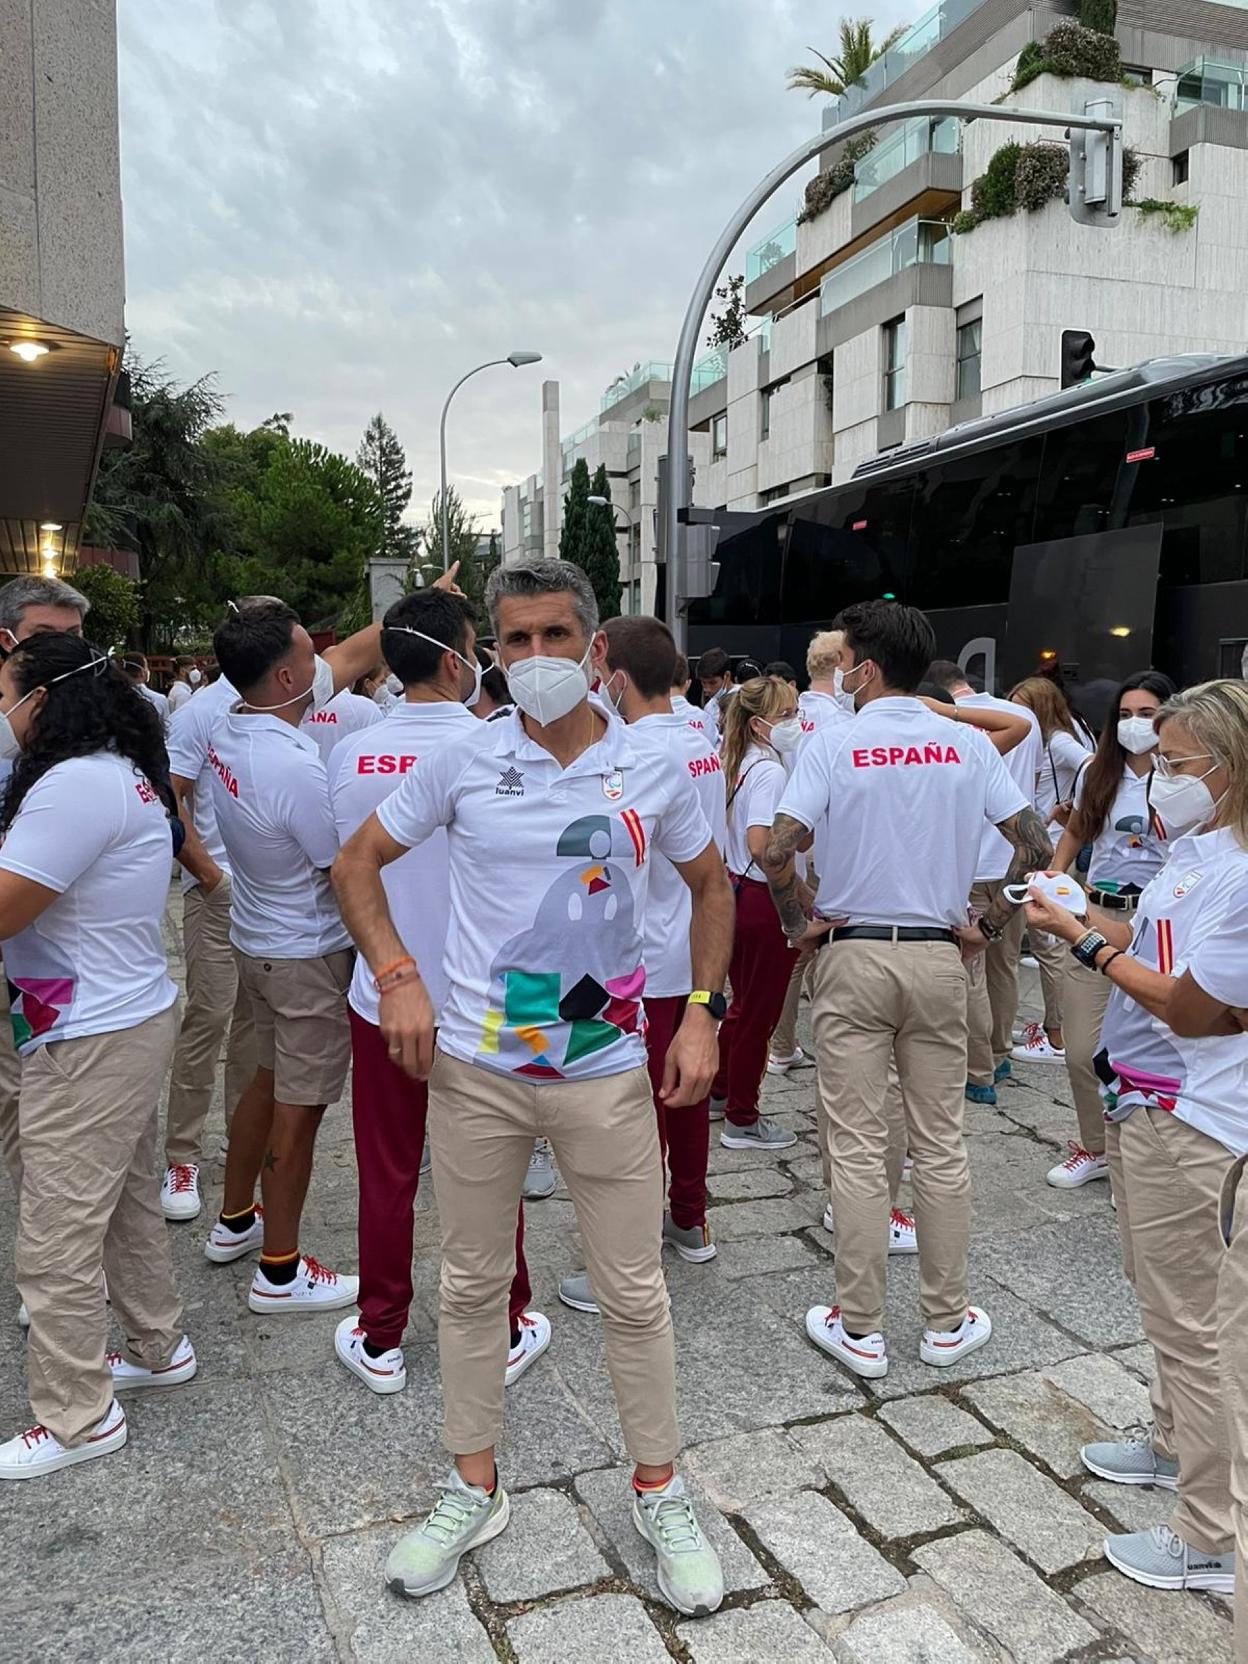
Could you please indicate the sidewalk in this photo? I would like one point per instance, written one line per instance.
(934, 1516)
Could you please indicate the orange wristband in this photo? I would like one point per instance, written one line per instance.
(386, 974)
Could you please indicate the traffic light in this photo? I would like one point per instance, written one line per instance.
(1078, 349)
(1095, 188)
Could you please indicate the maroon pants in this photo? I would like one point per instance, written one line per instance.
(388, 1110)
(684, 1134)
(762, 962)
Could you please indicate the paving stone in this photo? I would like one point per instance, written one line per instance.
(608, 1496)
(753, 1183)
(587, 1632)
(1004, 1597)
(1104, 1387)
(903, 1635)
(759, 1256)
(383, 1627)
(931, 1425)
(1142, 1359)
(1135, 1507)
(877, 1477)
(764, 1218)
(769, 1631)
(751, 1466)
(1053, 1268)
(1026, 1508)
(1161, 1625)
(544, 1548)
(820, 1547)
(1032, 1409)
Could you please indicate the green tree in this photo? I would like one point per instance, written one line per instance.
(463, 540)
(728, 325)
(858, 51)
(602, 553)
(383, 459)
(114, 604)
(1101, 15)
(574, 537)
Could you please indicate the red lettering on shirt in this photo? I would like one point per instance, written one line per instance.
(703, 765)
(323, 716)
(223, 772)
(146, 791)
(890, 756)
(808, 726)
(383, 765)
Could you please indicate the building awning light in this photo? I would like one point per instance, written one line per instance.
(50, 526)
(29, 351)
(1121, 631)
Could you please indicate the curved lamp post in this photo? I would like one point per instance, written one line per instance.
(516, 360)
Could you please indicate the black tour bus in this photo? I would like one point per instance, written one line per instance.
(1104, 529)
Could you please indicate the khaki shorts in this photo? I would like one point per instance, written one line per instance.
(299, 1008)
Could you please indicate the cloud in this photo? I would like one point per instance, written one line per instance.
(342, 205)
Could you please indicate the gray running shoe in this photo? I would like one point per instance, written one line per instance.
(463, 1517)
(1161, 1560)
(574, 1291)
(691, 1242)
(1131, 1461)
(541, 1178)
(689, 1573)
(762, 1134)
(426, 1159)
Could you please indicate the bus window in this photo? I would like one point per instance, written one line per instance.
(1196, 483)
(849, 545)
(748, 588)
(1086, 482)
(969, 515)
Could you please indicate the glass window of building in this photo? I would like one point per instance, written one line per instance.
(969, 354)
(719, 436)
(895, 364)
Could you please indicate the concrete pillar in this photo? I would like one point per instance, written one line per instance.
(552, 470)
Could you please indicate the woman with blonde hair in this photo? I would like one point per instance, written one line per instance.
(1065, 753)
(760, 726)
(1177, 1114)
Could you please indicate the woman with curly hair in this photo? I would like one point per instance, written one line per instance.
(84, 870)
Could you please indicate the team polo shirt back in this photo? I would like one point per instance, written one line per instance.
(1022, 764)
(272, 802)
(94, 830)
(1127, 849)
(692, 715)
(345, 714)
(910, 793)
(1182, 920)
(190, 730)
(753, 797)
(548, 881)
(669, 905)
(364, 770)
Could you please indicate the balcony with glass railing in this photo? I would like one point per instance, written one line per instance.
(771, 249)
(637, 377)
(907, 144)
(1206, 81)
(707, 371)
(916, 243)
(916, 43)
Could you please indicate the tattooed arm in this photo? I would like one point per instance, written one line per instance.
(788, 892)
(1033, 852)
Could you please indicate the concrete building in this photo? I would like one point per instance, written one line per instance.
(62, 283)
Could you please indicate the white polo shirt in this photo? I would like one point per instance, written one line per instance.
(364, 770)
(190, 729)
(1128, 849)
(692, 715)
(1060, 763)
(669, 905)
(548, 881)
(179, 695)
(1023, 766)
(158, 700)
(94, 830)
(752, 800)
(911, 796)
(345, 714)
(817, 712)
(272, 802)
(1182, 923)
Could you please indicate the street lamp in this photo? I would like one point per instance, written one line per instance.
(515, 359)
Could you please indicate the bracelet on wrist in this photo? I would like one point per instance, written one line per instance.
(402, 970)
(1103, 967)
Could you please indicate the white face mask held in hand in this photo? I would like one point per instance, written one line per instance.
(1136, 734)
(547, 689)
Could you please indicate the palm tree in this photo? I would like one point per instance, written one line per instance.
(858, 53)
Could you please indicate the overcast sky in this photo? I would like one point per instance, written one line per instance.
(341, 205)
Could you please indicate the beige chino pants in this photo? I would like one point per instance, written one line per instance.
(606, 1143)
(1233, 1356)
(993, 1000)
(89, 1196)
(1172, 1182)
(10, 1084)
(1085, 994)
(875, 1001)
(214, 999)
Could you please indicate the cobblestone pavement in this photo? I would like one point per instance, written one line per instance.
(940, 1517)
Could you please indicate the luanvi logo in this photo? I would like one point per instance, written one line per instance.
(510, 783)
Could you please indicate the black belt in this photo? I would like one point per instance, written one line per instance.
(891, 933)
(1114, 903)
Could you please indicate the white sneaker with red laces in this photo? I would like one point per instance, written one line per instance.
(181, 1367)
(1035, 1047)
(1080, 1167)
(864, 1354)
(902, 1237)
(36, 1451)
(224, 1245)
(942, 1348)
(534, 1339)
(179, 1192)
(388, 1373)
(313, 1288)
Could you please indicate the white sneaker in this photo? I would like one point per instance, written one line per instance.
(942, 1349)
(385, 1374)
(782, 1065)
(1029, 961)
(902, 1236)
(865, 1355)
(36, 1451)
(181, 1367)
(23, 1316)
(541, 1178)
(179, 1193)
(1080, 1167)
(313, 1288)
(907, 1167)
(1034, 1047)
(224, 1245)
(534, 1339)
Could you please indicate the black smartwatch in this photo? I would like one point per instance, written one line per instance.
(716, 1004)
(1087, 947)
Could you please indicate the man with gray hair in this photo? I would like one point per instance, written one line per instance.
(552, 818)
(31, 604)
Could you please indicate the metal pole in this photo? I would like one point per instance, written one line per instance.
(446, 519)
(678, 493)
